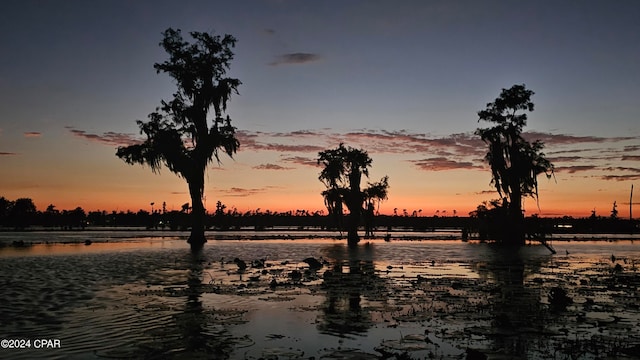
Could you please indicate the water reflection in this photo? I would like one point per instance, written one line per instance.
(517, 313)
(201, 335)
(350, 281)
(432, 299)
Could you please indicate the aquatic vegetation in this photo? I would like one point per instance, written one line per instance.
(558, 299)
(400, 300)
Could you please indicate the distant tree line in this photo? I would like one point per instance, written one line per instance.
(22, 214)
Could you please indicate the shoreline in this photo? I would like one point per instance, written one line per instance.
(248, 235)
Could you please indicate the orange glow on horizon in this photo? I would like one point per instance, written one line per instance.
(119, 187)
(423, 207)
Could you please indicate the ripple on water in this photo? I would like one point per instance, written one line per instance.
(163, 304)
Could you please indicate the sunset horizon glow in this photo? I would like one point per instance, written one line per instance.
(403, 81)
(445, 191)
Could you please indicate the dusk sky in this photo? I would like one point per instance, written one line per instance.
(403, 80)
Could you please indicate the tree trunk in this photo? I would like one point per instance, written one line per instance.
(515, 228)
(197, 238)
(352, 223)
(354, 204)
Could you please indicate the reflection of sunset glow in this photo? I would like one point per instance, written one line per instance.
(426, 270)
(96, 247)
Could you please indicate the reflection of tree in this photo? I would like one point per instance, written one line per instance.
(350, 280)
(517, 313)
(201, 335)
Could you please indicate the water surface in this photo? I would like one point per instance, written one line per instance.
(144, 295)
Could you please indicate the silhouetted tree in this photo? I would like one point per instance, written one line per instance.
(374, 194)
(178, 133)
(515, 162)
(5, 208)
(51, 216)
(342, 173)
(75, 218)
(489, 220)
(22, 213)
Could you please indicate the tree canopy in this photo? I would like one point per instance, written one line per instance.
(179, 134)
(343, 168)
(515, 162)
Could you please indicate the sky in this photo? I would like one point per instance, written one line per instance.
(402, 80)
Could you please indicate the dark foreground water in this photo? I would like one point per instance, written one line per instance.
(144, 296)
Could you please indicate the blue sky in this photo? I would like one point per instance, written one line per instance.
(401, 79)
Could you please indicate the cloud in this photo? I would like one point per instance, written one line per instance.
(32, 134)
(455, 151)
(271, 167)
(620, 168)
(217, 167)
(557, 159)
(3, 153)
(259, 141)
(570, 154)
(241, 192)
(572, 151)
(295, 58)
(485, 192)
(402, 142)
(443, 164)
(621, 177)
(575, 168)
(107, 138)
(302, 160)
(373, 141)
(557, 139)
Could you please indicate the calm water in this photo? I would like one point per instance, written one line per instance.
(143, 295)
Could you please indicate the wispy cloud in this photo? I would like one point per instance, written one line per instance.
(557, 139)
(558, 159)
(295, 58)
(597, 156)
(302, 160)
(485, 192)
(392, 142)
(32, 134)
(443, 164)
(260, 141)
(626, 177)
(107, 138)
(271, 167)
(241, 192)
(575, 168)
(621, 168)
